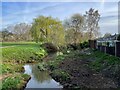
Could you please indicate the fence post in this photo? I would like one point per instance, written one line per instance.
(105, 49)
(118, 48)
(115, 49)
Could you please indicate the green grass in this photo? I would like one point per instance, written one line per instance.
(60, 74)
(16, 81)
(11, 68)
(13, 59)
(53, 64)
(23, 53)
(3, 44)
(103, 60)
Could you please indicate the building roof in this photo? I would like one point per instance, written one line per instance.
(112, 38)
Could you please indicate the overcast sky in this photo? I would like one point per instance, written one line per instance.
(17, 12)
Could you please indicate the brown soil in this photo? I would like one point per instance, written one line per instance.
(83, 76)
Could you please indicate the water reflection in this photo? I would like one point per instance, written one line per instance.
(40, 79)
(40, 76)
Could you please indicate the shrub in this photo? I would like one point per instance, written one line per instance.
(60, 75)
(72, 46)
(42, 66)
(84, 45)
(49, 47)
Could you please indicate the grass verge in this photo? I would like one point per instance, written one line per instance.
(16, 81)
(23, 54)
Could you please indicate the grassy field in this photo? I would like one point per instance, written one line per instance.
(3, 44)
(14, 56)
(22, 53)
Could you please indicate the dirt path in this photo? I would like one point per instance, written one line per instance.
(81, 75)
(7, 46)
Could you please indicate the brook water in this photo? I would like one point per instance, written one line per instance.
(40, 79)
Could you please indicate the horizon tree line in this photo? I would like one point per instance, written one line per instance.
(75, 29)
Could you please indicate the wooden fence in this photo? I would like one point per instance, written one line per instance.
(106, 49)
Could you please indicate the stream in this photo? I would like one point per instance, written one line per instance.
(39, 79)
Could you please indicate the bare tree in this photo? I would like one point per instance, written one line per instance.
(74, 26)
(6, 35)
(22, 31)
(92, 18)
(17, 32)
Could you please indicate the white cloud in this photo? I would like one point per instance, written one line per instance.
(110, 12)
(108, 21)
